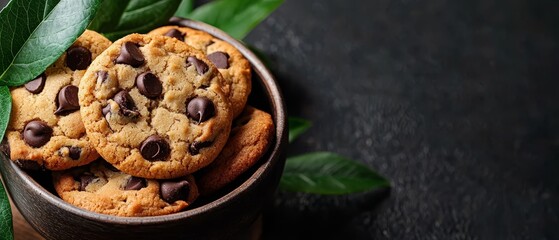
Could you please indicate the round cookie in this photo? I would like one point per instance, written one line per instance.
(100, 188)
(234, 67)
(45, 128)
(250, 137)
(154, 107)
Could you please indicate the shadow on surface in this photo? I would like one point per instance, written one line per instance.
(306, 216)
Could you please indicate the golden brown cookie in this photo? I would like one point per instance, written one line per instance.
(102, 189)
(234, 67)
(45, 128)
(154, 107)
(250, 137)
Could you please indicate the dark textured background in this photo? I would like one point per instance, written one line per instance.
(456, 102)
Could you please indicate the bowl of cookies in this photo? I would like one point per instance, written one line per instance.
(179, 133)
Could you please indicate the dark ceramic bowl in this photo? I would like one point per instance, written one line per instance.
(223, 216)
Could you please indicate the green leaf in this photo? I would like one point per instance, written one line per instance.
(329, 174)
(35, 33)
(140, 16)
(107, 20)
(6, 226)
(185, 8)
(236, 17)
(5, 109)
(297, 126)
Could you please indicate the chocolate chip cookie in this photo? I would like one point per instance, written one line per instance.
(45, 128)
(251, 134)
(154, 107)
(234, 67)
(101, 188)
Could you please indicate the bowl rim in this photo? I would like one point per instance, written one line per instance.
(279, 116)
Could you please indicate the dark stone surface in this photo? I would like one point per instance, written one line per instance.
(456, 102)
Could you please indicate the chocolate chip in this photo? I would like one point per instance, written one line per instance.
(78, 58)
(200, 109)
(102, 76)
(201, 67)
(36, 133)
(29, 165)
(75, 152)
(106, 110)
(135, 183)
(155, 148)
(172, 191)
(130, 54)
(196, 146)
(85, 179)
(174, 33)
(126, 103)
(149, 85)
(36, 85)
(67, 100)
(219, 59)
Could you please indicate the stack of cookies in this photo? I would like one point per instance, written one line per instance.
(142, 126)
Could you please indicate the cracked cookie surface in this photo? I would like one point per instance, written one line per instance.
(234, 67)
(45, 128)
(102, 189)
(154, 107)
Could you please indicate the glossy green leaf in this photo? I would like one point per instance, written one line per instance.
(141, 16)
(297, 126)
(330, 174)
(185, 8)
(5, 109)
(236, 17)
(33, 34)
(108, 18)
(6, 226)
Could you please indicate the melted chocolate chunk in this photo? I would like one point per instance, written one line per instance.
(126, 103)
(172, 191)
(200, 109)
(135, 183)
(174, 33)
(149, 85)
(85, 179)
(155, 148)
(36, 133)
(130, 54)
(36, 85)
(219, 59)
(106, 110)
(102, 76)
(196, 146)
(201, 67)
(75, 152)
(67, 100)
(78, 58)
